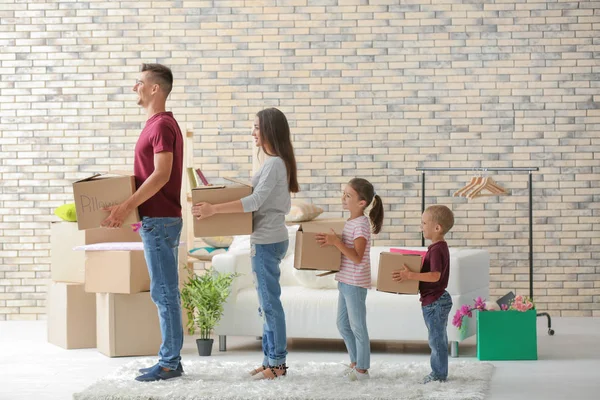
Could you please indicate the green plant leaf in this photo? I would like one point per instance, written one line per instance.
(203, 297)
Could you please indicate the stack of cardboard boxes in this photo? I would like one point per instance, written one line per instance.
(100, 298)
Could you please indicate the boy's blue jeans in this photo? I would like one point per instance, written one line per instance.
(161, 241)
(352, 323)
(436, 320)
(265, 267)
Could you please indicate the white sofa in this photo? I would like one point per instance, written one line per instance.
(310, 302)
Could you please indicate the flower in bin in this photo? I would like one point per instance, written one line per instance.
(136, 227)
(466, 310)
(479, 304)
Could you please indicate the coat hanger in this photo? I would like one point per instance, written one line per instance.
(475, 180)
(489, 185)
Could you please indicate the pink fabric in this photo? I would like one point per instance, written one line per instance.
(410, 252)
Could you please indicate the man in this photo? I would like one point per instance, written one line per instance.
(158, 170)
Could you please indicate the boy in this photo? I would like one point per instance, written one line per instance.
(436, 303)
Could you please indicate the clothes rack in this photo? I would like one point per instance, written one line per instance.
(530, 171)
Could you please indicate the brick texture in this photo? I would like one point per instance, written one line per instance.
(371, 88)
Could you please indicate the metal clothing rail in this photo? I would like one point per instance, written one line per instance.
(530, 171)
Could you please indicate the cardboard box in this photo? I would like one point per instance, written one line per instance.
(390, 262)
(71, 314)
(123, 272)
(67, 265)
(309, 254)
(127, 325)
(99, 191)
(222, 224)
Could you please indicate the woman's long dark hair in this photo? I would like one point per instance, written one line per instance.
(366, 192)
(275, 131)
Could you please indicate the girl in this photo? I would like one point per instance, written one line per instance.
(354, 277)
(270, 202)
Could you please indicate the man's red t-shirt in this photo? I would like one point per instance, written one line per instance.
(161, 133)
(436, 259)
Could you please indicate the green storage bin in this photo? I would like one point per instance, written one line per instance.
(506, 335)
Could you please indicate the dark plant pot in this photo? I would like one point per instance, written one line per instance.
(204, 346)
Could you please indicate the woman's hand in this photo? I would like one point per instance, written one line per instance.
(325, 239)
(203, 210)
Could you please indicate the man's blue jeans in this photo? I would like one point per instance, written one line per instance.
(161, 241)
(352, 323)
(436, 320)
(265, 267)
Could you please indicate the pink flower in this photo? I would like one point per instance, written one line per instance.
(466, 310)
(504, 307)
(136, 227)
(457, 320)
(479, 304)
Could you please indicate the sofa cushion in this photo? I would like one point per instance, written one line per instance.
(309, 279)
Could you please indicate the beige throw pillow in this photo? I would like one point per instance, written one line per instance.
(302, 211)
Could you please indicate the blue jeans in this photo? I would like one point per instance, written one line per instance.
(265, 267)
(352, 323)
(436, 320)
(161, 241)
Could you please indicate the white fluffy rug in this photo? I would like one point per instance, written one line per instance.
(229, 381)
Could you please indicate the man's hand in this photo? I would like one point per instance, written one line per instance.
(325, 239)
(203, 210)
(402, 274)
(117, 215)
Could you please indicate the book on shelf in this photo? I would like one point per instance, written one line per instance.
(202, 178)
(192, 179)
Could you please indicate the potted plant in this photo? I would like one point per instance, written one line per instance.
(203, 297)
(503, 333)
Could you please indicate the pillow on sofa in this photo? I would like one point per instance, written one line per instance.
(242, 242)
(66, 212)
(218, 241)
(309, 279)
(302, 211)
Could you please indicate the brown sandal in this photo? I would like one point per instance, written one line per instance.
(258, 370)
(272, 372)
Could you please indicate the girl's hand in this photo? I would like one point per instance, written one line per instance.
(402, 274)
(203, 210)
(325, 239)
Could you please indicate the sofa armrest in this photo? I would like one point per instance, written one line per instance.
(235, 262)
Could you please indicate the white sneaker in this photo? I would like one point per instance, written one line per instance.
(346, 369)
(354, 375)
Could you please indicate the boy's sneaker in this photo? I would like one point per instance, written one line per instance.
(432, 378)
(354, 375)
(146, 370)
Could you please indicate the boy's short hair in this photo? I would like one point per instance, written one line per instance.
(441, 215)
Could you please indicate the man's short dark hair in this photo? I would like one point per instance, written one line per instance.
(161, 75)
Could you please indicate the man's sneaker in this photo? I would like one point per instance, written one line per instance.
(354, 375)
(432, 378)
(146, 370)
(158, 373)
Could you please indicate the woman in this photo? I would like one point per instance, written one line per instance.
(270, 202)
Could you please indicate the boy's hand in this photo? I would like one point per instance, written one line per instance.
(325, 239)
(402, 274)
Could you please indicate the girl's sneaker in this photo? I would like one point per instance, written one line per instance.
(358, 376)
(347, 369)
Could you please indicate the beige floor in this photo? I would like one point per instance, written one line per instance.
(568, 368)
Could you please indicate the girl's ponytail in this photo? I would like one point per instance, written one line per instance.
(376, 214)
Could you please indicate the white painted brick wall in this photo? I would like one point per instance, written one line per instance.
(372, 89)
